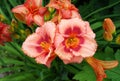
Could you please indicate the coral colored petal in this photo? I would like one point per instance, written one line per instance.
(21, 9)
(29, 19)
(30, 4)
(42, 10)
(38, 2)
(30, 44)
(38, 20)
(75, 14)
(66, 14)
(75, 59)
(58, 39)
(88, 49)
(62, 53)
(64, 25)
(20, 12)
(45, 58)
(49, 29)
(89, 30)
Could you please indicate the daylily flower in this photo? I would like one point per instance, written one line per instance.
(40, 46)
(99, 66)
(30, 12)
(4, 33)
(64, 9)
(74, 40)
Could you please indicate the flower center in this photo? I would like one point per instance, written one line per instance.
(72, 42)
(45, 45)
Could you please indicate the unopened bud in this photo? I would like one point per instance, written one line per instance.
(16, 36)
(117, 40)
(2, 18)
(107, 36)
(109, 26)
(22, 31)
(14, 23)
(27, 32)
(51, 10)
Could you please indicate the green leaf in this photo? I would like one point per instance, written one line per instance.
(87, 74)
(114, 74)
(109, 50)
(74, 70)
(117, 55)
(101, 9)
(109, 53)
(12, 50)
(5, 61)
(13, 2)
(21, 76)
(106, 79)
(96, 25)
(8, 69)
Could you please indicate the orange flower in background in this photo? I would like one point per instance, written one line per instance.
(39, 45)
(30, 12)
(74, 40)
(99, 66)
(4, 33)
(64, 9)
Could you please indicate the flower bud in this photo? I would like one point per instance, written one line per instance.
(13, 26)
(47, 16)
(109, 26)
(51, 10)
(107, 36)
(27, 32)
(2, 18)
(16, 36)
(117, 40)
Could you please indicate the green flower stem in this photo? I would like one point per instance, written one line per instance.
(101, 9)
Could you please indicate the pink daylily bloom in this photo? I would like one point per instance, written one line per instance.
(74, 40)
(39, 45)
(30, 12)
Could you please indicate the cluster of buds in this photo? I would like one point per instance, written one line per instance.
(109, 29)
(18, 33)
